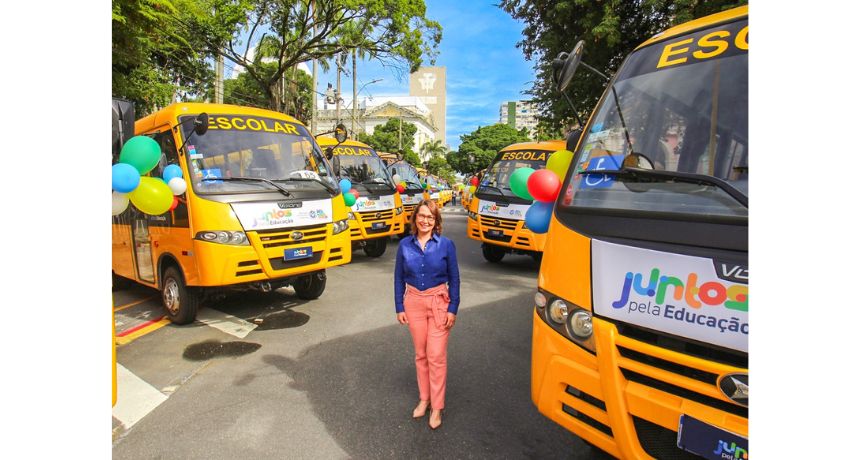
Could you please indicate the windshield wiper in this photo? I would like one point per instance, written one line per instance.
(502, 192)
(327, 186)
(690, 178)
(253, 179)
(374, 180)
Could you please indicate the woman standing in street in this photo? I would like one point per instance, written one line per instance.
(426, 297)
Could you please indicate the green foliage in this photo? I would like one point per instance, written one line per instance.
(438, 166)
(611, 29)
(478, 148)
(385, 138)
(244, 90)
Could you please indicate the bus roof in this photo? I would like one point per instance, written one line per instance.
(325, 141)
(169, 114)
(552, 145)
(706, 21)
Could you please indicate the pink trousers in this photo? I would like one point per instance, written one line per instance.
(427, 312)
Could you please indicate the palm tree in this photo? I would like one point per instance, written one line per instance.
(432, 148)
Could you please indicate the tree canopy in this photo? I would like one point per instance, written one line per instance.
(386, 138)
(611, 29)
(478, 148)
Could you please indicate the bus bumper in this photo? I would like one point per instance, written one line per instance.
(591, 396)
(375, 224)
(506, 233)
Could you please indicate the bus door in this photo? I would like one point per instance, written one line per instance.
(142, 247)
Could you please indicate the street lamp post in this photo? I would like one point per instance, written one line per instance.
(355, 104)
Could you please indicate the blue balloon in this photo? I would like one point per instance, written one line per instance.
(345, 185)
(538, 215)
(124, 177)
(170, 172)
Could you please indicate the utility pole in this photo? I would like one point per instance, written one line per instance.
(219, 79)
(314, 84)
(354, 94)
(339, 60)
(400, 133)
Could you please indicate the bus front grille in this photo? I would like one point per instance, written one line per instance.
(370, 216)
(495, 222)
(660, 442)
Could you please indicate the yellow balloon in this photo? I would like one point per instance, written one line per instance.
(559, 162)
(472, 189)
(152, 196)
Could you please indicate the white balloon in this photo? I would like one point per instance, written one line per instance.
(119, 203)
(177, 185)
(396, 178)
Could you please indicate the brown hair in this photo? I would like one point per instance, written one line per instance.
(434, 209)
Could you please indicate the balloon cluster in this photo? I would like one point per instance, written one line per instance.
(541, 187)
(350, 195)
(151, 195)
(401, 184)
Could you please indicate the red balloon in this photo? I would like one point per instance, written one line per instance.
(400, 188)
(175, 203)
(354, 193)
(473, 181)
(544, 185)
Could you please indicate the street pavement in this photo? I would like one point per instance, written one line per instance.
(267, 375)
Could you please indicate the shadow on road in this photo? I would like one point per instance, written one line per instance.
(362, 387)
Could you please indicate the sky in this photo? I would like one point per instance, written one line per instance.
(483, 65)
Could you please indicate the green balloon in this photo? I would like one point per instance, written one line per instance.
(519, 183)
(349, 199)
(559, 162)
(142, 152)
(152, 196)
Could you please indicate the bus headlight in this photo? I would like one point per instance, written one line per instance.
(472, 215)
(340, 226)
(398, 211)
(580, 324)
(223, 237)
(540, 299)
(350, 215)
(558, 311)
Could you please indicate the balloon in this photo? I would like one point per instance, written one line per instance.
(472, 189)
(177, 185)
(519, 182)
(349, 199)
(400, 188)
(170, 172)
(473, 181)
(124, 177)
(396, 178)
(538, 215)
(141, 152)
(345, 185)
(354, 193)
(424, 185)
(152, 196)
(544, 185)
(119, 202)
(559, 162)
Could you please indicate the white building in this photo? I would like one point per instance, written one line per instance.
(519, 115)
(375, 111)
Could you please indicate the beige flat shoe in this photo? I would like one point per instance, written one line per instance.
(420, 409)
(435, 419)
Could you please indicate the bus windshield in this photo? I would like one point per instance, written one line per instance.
(270, 149)
(496, 180)
(363, 166)
(686, 116)
(408, 174)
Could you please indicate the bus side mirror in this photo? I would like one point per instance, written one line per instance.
(201, 124)
(340, 133)
(564, 66)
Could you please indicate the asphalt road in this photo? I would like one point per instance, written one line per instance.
(334, 377)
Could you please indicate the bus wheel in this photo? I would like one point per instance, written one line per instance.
(376, 248)
(492, 253)
(310, 286)
(180, 301)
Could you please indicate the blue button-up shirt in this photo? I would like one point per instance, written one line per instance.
(425, 269)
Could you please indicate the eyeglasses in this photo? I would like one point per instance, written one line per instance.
(423, 217)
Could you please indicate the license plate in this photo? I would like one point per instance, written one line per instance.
(298, 253)
(709, 441)
(377, 225)
(495, 233)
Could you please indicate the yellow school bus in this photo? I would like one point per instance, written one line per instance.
(496, 215)
(414, 192)
(378, 212)
(262, 209)
(640, 329)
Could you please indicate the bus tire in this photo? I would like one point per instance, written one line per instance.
(376, 247)
(310, 286)
(180, 302)
(492, 253)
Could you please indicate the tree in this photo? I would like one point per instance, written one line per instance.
(244, 90)
(154, 58)
(611, 29)
(387, 138)
(478, 148)
(288, 32)
(432, 148)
